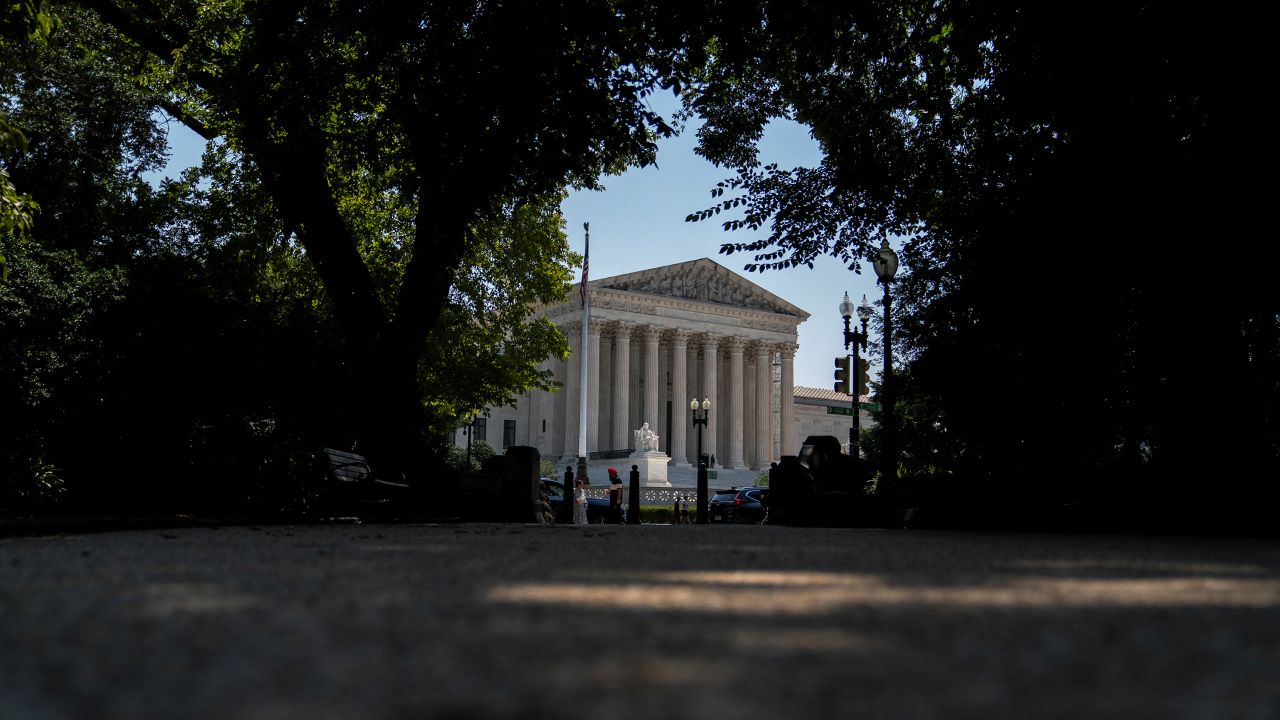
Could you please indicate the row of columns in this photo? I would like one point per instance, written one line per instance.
(684, 345)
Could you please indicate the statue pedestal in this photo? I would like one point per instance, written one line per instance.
(653, 468)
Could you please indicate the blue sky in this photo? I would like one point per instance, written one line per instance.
(638, 222)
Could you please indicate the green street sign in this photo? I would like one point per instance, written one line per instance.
(869, 406)
(839, 411)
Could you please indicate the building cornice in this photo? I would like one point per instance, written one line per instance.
(644, 308)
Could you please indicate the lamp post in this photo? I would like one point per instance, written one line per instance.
(885, 262)
(471, 419)
(858, 339)
(700, 421)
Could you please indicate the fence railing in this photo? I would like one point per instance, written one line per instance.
(652, 495)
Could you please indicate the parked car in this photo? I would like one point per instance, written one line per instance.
(597, 508)
(745, 505)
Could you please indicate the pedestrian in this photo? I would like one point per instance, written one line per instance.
(579, 504)
(684, 510)
(615, 497)
(675, 512)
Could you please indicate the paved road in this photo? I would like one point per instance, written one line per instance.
(505, 621)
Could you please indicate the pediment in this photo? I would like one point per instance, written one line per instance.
(701, 280)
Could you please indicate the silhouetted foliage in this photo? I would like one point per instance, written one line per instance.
(173, 347)
(1083, 306)
(455, 111)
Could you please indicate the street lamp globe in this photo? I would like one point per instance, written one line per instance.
(864, 311)
(693, 405)
(846, 306)
(885, 262)
(706, 404)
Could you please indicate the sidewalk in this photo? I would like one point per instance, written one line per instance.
(521, 621)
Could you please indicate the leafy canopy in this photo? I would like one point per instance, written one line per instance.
(387, 135)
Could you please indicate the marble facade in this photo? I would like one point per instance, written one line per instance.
(657, 339)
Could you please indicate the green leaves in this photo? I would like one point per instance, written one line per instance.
(488, 346)
(17, 211)
(29, 19)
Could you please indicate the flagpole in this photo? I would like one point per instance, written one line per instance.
(585, 362)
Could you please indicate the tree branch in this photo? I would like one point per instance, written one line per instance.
(151, 33)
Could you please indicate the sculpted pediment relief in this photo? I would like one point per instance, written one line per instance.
(703, 281)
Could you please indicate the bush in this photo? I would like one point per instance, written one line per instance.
(655, 514)
(662, 514)
(480, 451)
(547, 469)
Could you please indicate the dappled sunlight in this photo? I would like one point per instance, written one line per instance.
(760, 577)
(772, 592)
(161, 600)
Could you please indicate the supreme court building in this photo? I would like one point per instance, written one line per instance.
(656, 339)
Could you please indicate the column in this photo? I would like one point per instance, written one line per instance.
(787, 401)
(764, 449)
(555, 404)
(710, 363)
(532, 415)
(529, 419)
(621, 384)
(652, 334)
(737, 412)
(543, 412)
(593, 387)
(680, 418)
(664, 372)
(572, 388)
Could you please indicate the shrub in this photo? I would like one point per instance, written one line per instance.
(655, 514)
(547, 469)
(480, 451)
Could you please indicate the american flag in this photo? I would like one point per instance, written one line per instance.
(586, 255)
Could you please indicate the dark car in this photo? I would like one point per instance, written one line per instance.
(598, 510)
(744, 505)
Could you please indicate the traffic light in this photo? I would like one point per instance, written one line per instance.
(842, 375)
(862, 378)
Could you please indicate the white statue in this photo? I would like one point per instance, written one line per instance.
(646, 439)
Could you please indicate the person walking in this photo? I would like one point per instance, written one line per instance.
(579, 504)
(684, 510)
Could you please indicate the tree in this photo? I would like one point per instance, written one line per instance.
(181, 331)
(1053, 175)
(33, 22)
(85, 140)
(515, 263)
(459, 110)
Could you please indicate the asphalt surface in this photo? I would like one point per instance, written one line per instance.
(517, 621)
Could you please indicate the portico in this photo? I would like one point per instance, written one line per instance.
(658, 338)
